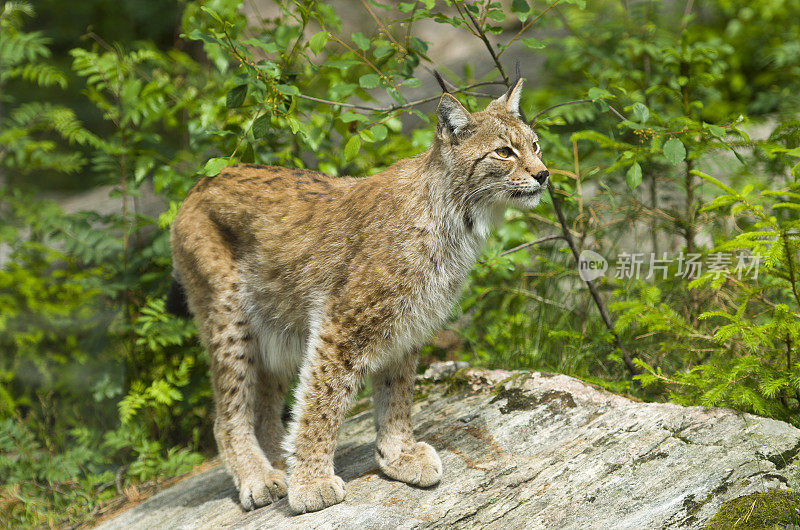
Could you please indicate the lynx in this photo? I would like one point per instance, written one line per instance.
(289, 270)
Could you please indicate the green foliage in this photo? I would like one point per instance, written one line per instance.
(750, 343)
(646, 128)
(665, 99)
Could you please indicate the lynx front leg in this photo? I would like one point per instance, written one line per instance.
(398, 455)
(328, 383)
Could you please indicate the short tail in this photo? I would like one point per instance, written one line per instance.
(176, 300)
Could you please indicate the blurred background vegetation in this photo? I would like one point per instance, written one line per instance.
(669, 127)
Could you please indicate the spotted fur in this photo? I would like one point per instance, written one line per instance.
(289, 270)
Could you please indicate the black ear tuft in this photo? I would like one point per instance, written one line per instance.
(439, 80)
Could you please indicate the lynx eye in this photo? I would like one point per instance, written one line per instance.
(504, 152)
(537, 149)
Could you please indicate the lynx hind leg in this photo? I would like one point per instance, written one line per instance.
(270, 430)
(233, 352)
(204, 258)
(398, 455)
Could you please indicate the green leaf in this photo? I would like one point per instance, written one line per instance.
(674, 151)
(379, 131)
(236, 96)
(369, 81)
(196, 34)
(521, 8)
(268, 47)
(634, 176)
(413, 81)
(213, 14)
(348, 116)
(794, 152)
(395, 95)
(715, 130)
(318, 41)
(352, 147)
(289, 90)
(496, 15)
(367, 135)
(342, 64)
(599, 93)
(406, 7)
(215, 165)
(261, 126)
(533, 44)
(360, 40)
(383, 51)
(641, 113)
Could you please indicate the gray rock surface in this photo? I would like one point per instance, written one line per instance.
(524, 450)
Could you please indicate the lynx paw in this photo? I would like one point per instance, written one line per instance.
(258, 490)
(315, 494)
(419, 465)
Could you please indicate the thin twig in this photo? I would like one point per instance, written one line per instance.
(756, 294)
(366, 61)
(482, 35)
(601, 307)
(567, 235)
(686, 12)
(548, 109)
(790, 265)
(574, 102)
(527, 25)
(530, 244)
(458, 8)
(615, 111)
(383, 27)
(524, 245)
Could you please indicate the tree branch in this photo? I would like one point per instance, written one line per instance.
(601, 307)
(465, 90)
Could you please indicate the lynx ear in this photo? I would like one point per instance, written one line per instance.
(510, 100)
(453, 117)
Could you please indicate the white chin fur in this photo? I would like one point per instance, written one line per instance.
(526, 201)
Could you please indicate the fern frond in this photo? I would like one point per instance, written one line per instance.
(41, 74)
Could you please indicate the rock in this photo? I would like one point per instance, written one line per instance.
(524, 450)
(438, 371)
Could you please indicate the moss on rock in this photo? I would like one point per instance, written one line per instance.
(458, 382)
(770, 509)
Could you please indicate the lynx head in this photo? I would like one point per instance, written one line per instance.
(492, 156)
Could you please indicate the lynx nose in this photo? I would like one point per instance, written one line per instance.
(541, 176)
